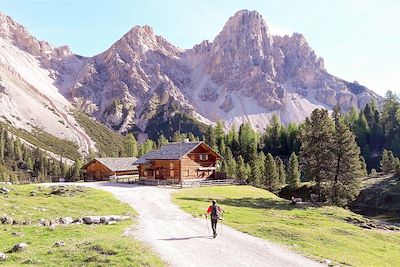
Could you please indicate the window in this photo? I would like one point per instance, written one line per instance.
(203, 156)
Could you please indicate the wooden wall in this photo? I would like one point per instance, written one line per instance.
(96, 171)
(160, 169)
(186, 168)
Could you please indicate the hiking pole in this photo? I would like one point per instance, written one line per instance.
(220, 227)
(208, 227)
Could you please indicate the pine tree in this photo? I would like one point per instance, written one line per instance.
(397, 166)
(293, 173)
(271, 181)
(280, 166)
(387, 162)
(210, 137)
(219, 133)
(257, 170)
(345, 184)
(272, 137)
(130, 145)
(2, 144)
(18, 149)
(77, 170)
(364, 171)
(317, 159)
(147, 146)
(162, 141)
(241, 171)
(230, 164)
(9, 147)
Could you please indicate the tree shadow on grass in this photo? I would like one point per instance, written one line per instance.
(254, 203)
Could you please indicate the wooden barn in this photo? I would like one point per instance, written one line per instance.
(179, 161)
(101, 169)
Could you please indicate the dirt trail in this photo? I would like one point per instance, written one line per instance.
(182, 240)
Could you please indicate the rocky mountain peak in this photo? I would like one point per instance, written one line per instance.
(244, 29)
(142, 39)
(19, 36)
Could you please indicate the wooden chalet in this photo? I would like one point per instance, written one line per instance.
(101, 169)
(179, 161)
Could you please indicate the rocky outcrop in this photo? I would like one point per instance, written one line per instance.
(244, 74)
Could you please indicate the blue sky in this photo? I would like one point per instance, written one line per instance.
(358, 39)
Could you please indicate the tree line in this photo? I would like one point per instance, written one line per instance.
(22, 162)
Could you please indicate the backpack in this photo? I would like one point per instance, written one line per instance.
(215, 212)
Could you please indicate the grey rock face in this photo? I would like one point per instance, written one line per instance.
(19, 247)
(3, 256)
(243, 60)
(243, 74)
(6, 220)
(4, 190)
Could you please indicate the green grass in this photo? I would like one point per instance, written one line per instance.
(47, 141)
(319, 232)
(108, 142)
(85, 245)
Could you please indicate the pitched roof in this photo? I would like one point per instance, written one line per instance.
(117, 164)
(171, 151)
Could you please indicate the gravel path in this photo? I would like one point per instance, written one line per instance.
(182, 240)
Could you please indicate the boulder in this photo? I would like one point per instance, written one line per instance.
(66, 220)
(4, 190)
(59, 244)
(44, 222)
(6, 220)
(3, 257)
(110, 222)
(17, 234)
(91, 220)
(78, 221)
(19, 247)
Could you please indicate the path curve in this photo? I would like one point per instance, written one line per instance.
(182, 240)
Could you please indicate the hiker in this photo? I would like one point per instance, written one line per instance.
(215, 211)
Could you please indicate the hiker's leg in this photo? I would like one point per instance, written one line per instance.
(213, 225)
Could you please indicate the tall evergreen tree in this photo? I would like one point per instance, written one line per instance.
(272, 137)
(293, 172)
(397, 166)
(241, 171)
(317, 159)
(364, 170)
(210, 137)
(388, 161)
(130, 146)
(2, 144)
(162, 141)
(257, 172)
(231, 165)
(280, 166)
(348, 170)
(271, 181)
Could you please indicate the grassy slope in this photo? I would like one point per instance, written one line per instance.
(47, 141)
(319, 232)
(86, 245)
(108, 142)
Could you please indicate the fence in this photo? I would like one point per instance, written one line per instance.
(174, 183)
(130, 179)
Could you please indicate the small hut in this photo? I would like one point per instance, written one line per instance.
(101, 169)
